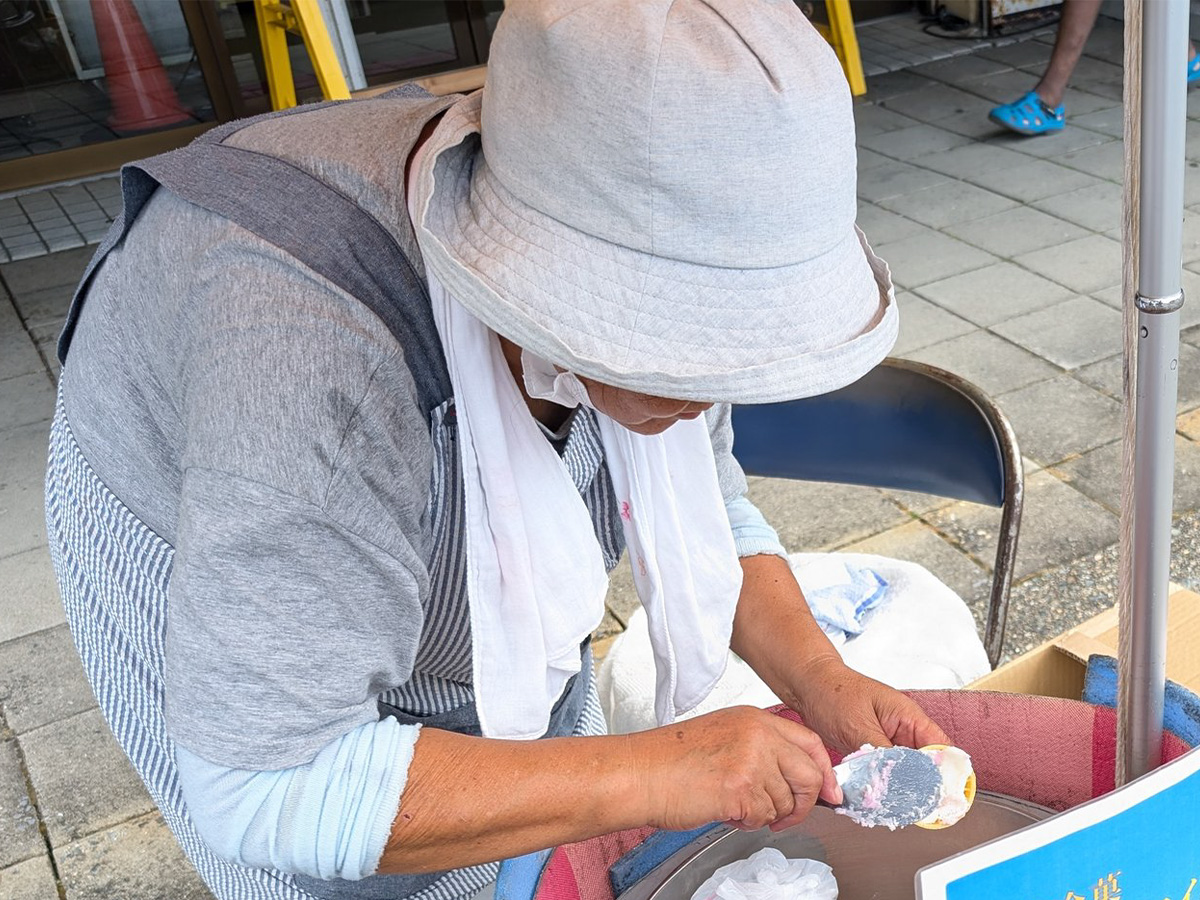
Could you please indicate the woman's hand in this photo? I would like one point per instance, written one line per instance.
(849, 709)
(741, 765)
(775, 633)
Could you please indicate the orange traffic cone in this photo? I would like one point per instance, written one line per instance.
(142, 98)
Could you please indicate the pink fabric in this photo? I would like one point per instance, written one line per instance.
(1104, 751)
(558, 879)
(1044, 750)
(580, 870)
(1058, 753)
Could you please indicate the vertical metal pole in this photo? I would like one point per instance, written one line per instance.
(1164, 114)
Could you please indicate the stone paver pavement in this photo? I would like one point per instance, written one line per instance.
(1006, 256)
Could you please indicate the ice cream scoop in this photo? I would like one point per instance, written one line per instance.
(891, 786)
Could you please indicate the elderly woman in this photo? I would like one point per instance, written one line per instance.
(362, 401)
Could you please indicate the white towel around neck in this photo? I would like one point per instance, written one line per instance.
(536, 581)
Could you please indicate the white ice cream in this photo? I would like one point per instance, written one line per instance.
(956, 769)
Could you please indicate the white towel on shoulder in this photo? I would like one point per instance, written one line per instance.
(535, 574)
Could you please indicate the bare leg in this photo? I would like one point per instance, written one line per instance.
(1078, 19)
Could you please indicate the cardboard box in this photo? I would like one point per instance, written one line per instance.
(1055, 669)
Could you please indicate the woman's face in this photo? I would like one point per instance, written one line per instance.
(641, 413)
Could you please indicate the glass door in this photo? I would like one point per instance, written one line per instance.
(80, 74)
(86, 85)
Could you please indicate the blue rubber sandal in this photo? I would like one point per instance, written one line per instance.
(1194, 69)
(1029, 116)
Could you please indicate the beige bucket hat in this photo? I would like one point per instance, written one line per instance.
(660, 195)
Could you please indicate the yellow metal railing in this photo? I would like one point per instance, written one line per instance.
(302, 17)
(840, 34)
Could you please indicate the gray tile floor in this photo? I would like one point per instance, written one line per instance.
(35, 223)
(1007, 267)
(904, 40)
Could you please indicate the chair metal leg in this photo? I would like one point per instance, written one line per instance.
(1010, 528)
(1006, 552)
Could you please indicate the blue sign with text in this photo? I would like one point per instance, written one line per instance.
(1141, 842)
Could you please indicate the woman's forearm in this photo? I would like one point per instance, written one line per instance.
(471, 800)
(774, 630)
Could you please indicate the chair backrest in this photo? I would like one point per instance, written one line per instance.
(906, 426)
(903, 425)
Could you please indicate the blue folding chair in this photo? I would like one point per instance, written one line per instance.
(906, 426)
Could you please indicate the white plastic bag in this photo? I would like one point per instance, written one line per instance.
(769, 875)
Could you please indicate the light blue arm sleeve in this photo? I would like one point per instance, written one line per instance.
(751, 533)
(329, 818)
